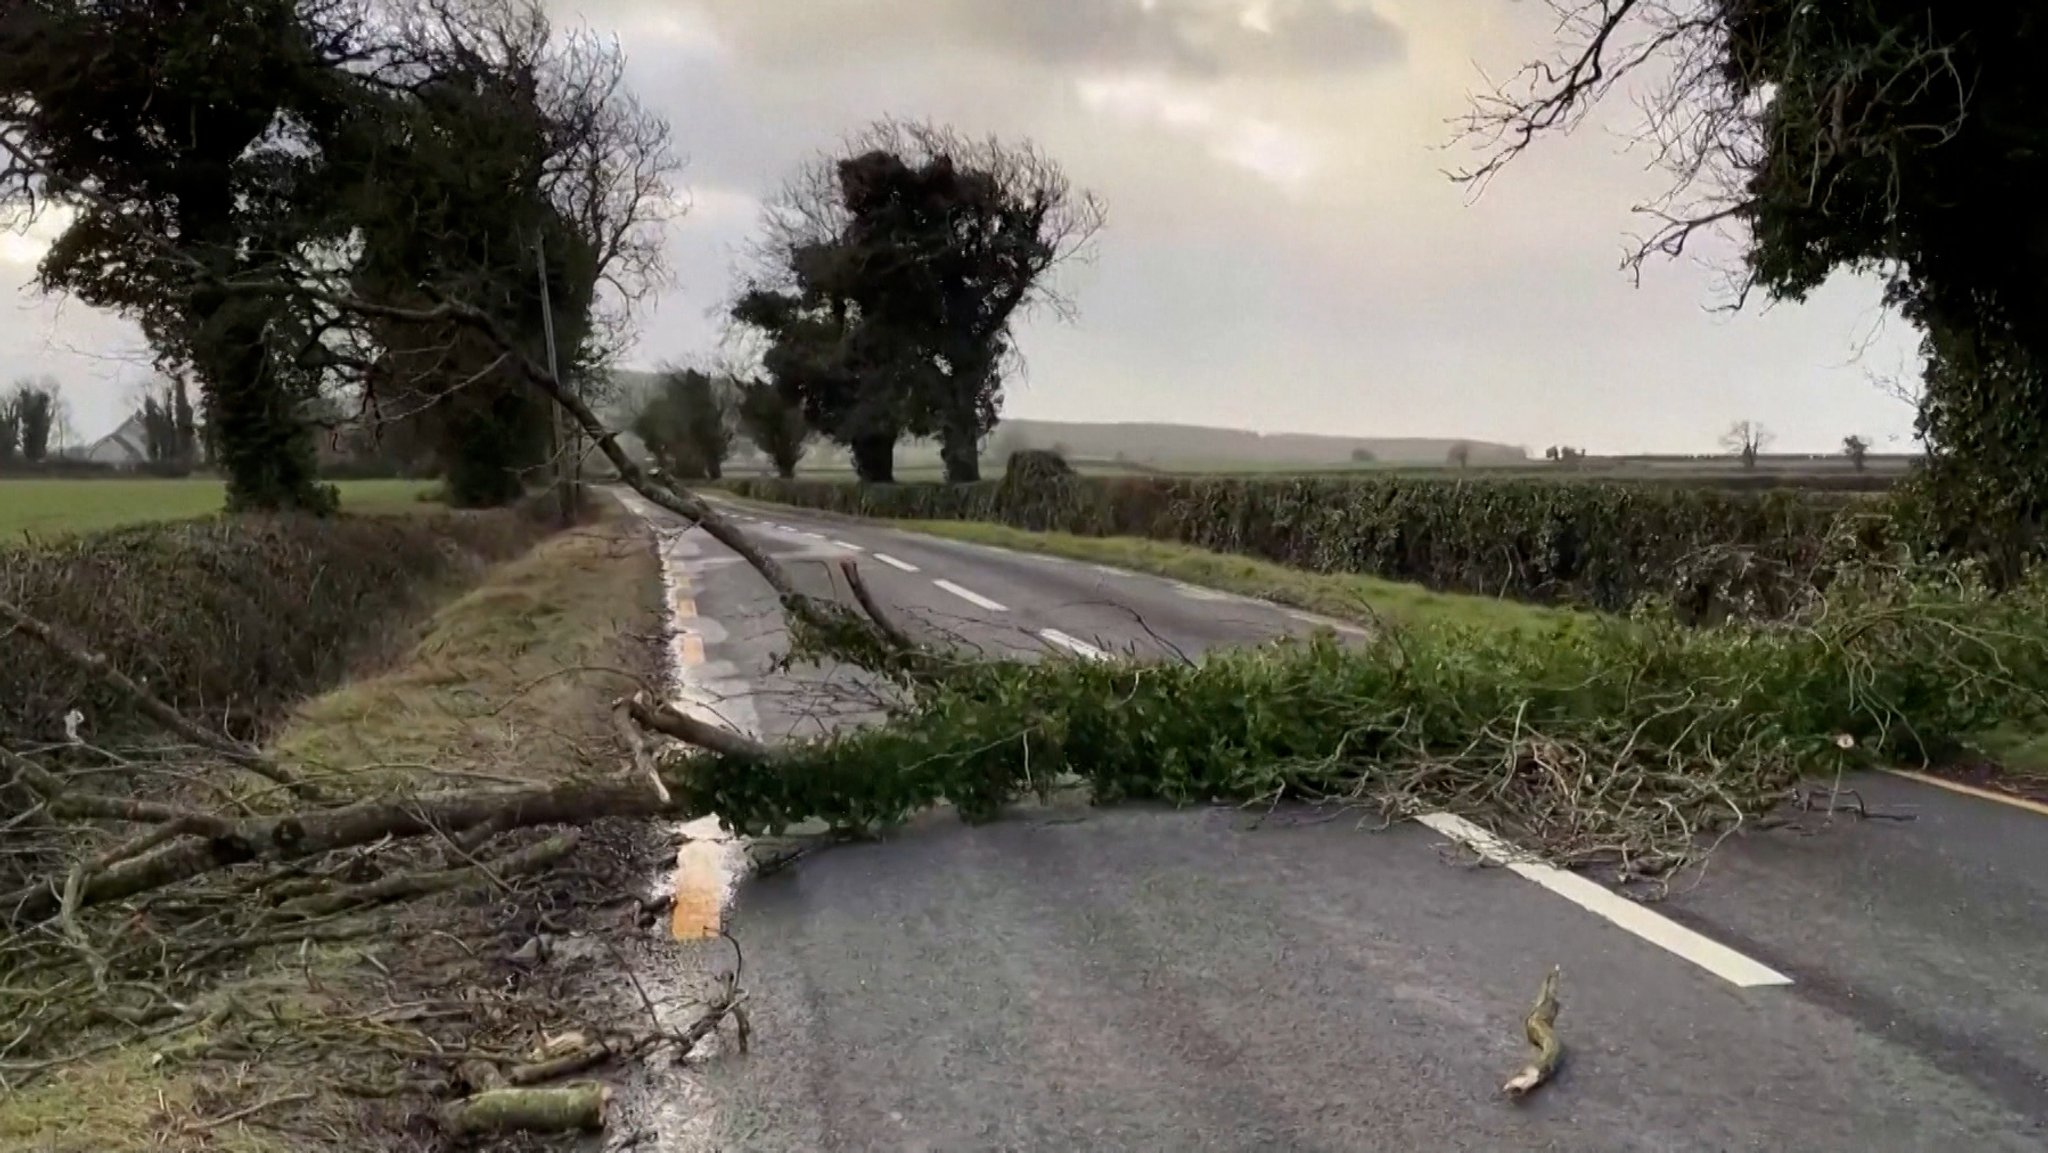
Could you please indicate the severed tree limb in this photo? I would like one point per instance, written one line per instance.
(873, 608)
(297, 836)
(579, 1060)
(643, 763)
(151, 705)
(568, 1109)
(401, 886)
(703, 734)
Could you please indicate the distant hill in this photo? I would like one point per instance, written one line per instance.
(1163, 446)
(1189, 446)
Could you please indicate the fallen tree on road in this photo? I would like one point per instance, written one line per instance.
(1624, 742)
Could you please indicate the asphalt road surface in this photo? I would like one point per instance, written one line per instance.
(1141, 979)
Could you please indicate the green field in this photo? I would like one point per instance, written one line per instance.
(54, 507)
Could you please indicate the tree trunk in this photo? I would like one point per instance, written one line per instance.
(874, 459)
(785, 467)
(256, 431)
(961, 450)
(261, 440)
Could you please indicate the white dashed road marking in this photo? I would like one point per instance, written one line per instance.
(1666, 934)
(971, 597)
(892, 562)
(1330, 623)
(845, 545)
(1079, 648)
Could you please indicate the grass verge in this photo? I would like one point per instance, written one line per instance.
(508, 681)
(1345, 596)
(57, 507)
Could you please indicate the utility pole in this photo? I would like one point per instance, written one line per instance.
(561, 447)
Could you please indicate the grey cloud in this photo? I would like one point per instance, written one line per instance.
(1194, 37)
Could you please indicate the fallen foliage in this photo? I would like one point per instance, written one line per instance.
(1606, 740)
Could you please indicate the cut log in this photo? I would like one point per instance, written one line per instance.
(564, 1109)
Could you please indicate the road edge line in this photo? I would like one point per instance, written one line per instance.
(2023, 804)
(1631, 917)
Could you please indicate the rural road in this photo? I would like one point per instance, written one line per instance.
(1142, 979)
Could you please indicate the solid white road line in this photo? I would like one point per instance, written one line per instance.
(1079, 648)
(971, 597)
(845, 545)
(892, 562)
(1666, 934)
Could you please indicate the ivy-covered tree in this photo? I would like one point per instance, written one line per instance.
(35, 406)
(892, 276)
(834, 367)
(1906, 139)
(10, 431)
(517, 160)
(206, 127)
(775, 423)
(236, 166)
(687, 424)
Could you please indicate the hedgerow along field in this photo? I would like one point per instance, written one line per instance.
(1601, 545)
(48, 507)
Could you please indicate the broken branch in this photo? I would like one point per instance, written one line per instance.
(1541, 1029)
(401, 886)
(151, 705)
(703, 734)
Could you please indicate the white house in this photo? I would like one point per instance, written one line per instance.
(125, 447)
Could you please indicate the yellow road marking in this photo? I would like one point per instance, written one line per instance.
(685, 607)
(693, 649)
(701, 883)
(1992, 795)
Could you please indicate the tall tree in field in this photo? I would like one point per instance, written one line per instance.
(1908, 139)
(687, 424)
(954, 239)
(1746, 440)
(10, 431)
(1857, 450)
(823, 355)
(36, 407)
(775, 423)
(902, 266)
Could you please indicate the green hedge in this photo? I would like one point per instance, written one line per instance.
(1601, 545)
(231, 619)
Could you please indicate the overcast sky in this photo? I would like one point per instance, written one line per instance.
(1283, 252)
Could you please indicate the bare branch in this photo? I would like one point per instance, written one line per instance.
(152, 706)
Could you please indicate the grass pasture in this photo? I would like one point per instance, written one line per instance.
(55, 507)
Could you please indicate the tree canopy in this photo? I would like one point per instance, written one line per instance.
(891, 277)
(236, 166)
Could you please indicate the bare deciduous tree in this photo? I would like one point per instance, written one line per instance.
(1747, 439)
